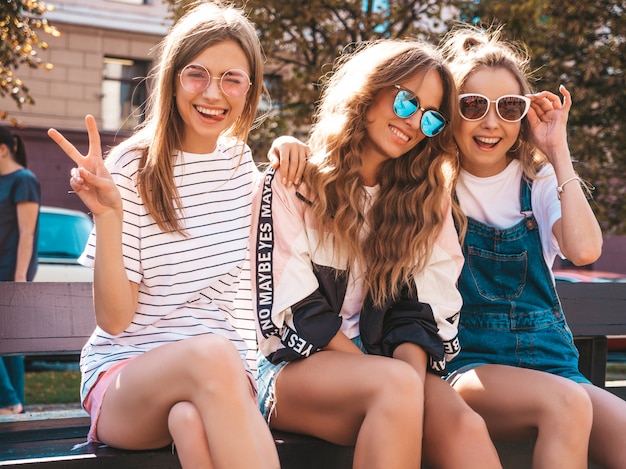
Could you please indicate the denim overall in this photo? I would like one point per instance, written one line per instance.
(511, 313)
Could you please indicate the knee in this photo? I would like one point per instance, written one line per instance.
(215, 360)
(467, 422)
(184, 417)
(400, 385)
(573, 405)
(213, 351)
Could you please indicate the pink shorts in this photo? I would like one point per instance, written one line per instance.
(93, 401)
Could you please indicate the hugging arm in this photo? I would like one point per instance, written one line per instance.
(289, 155)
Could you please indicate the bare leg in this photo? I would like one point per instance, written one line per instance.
(455, 436)
(186, 427)
(608, 433)
(373, 402)
(205, 371)
(518, 403)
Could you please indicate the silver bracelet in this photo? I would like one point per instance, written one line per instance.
(559, 189)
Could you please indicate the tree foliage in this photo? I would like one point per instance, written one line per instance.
(302, 39)
(20, 25)
(579, 44)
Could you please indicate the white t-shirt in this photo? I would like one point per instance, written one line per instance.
(495, 201)
(188, 286)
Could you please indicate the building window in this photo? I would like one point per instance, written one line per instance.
(124, 93)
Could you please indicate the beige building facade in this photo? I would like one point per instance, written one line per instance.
(102, 42)
(101, 59)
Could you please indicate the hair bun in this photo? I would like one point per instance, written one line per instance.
(472, 42)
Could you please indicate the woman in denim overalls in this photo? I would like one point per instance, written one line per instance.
(521, 204)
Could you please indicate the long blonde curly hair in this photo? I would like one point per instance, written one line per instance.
(408, 213)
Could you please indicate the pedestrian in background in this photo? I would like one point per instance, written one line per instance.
(20, 197)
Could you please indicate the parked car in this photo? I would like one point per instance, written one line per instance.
(593, 276)
(63, 234)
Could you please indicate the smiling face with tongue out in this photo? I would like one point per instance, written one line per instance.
(209, 113)
(483, 144)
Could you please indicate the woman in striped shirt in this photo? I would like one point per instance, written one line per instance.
(171, 208)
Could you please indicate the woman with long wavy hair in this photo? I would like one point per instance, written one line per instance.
(355, 271)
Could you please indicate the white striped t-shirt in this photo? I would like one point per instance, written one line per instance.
(187, 285)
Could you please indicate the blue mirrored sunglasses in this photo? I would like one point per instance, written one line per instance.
(406, 104)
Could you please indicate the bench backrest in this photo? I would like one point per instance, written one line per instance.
(594, 309)
(41, 317)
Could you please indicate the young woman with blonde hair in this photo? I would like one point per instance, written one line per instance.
(172, 210)
(355, 271)
(524, 204)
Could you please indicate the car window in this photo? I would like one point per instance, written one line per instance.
(62, 235)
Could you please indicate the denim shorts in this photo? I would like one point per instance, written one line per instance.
(266, 379)
(549, 348)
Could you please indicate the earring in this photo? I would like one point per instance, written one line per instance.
(517, 147)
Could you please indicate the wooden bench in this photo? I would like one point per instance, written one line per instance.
(57, 318)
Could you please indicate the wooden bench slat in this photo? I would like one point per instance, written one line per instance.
(66, 455)
(295, 451)
(44, 317)
(46, 420)
(65, 432)
(594, 309)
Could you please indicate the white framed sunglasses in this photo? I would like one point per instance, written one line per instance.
(195, 78)
(405, 104)
(510, 107)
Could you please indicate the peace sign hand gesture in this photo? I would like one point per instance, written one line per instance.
(90, 179)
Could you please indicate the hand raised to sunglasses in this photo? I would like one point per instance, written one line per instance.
(90, 180)
(548, 121)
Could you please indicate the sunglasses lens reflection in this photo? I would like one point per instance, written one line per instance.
(474, 107)
(511, 108)
(405, 104)
(432, 123)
